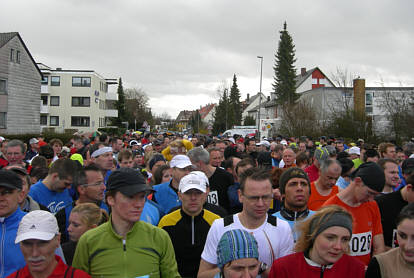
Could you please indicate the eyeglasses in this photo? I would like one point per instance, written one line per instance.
(99, 183)
(265, 198)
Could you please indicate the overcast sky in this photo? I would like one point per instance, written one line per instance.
(180, 51)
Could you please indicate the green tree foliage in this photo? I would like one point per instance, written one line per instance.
(120, 105)
(196, 122)
(137, 107)
(221, 114)
(249, 120)
(235, 105)
(284, 80)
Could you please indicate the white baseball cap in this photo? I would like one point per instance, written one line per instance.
(354, 150)
(37, 224)
(263, 143)
(194, 180)
(180, 161)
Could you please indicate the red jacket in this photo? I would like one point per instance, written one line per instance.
(295, 265)
(61, 271)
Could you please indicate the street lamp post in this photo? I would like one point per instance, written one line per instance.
(260, 94)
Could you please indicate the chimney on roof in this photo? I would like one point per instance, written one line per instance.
(302, 71)
(359, 98)
(58, 68)
(268, 98)
(248, 96)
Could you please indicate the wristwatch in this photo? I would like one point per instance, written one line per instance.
(262, 268)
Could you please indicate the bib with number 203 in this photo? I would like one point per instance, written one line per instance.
(360, 244)
(212, 198)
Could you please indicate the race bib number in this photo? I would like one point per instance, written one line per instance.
(212, 198)
(360, 244)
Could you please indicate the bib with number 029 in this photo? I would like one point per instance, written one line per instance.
(212, 198)
(360, 244)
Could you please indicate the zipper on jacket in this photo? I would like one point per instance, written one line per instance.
(3, 235)
(124, 244)
(323, 270)
(192, 230)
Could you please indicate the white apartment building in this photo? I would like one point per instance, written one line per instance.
(75, 100)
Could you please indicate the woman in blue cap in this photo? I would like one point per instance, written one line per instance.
(237, 255)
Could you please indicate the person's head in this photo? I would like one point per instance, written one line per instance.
(24, 176)
(275, 176)
(38, 235)
(302, 160)
(238, 254)
(277, 151)
(294, 186)
(325, 235)
(11, 194)
(156, 161)
(61, 174)
(320, 155)
(34, 144)
(77, 142)
(47, 152)
(177, 147)
(199, 157)
(126, 192)
(15, 152)
(400, 156)
(89, 183)
(39, 162)
(230, 166)
(221, 146)
(162, 174)
(255, 193)
(370, 155)
(243, 165)
(367, 181)
(181, 166)
(407, 167)
(250, 145)
(56, 145)
(405, 233)
(302, 146)
(340, 146)
(116, 144)
(103, 157)
(193, 191)
(354, 152)
(329, 173)
(138, 159)
(347, 168)
(387, 150)
(125, 159)
(289, 157)
(390, 167)
(216, 156)
(84, 217)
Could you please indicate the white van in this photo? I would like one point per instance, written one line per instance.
(241, 130)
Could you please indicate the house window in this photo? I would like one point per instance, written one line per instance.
(368, 103)
(43, 120)
(12, 55)
(80, 121)
(45, 80)
(18, 56)
(3, 119)
(55, 81)
(81, 81)
(3, 87)
(54, 100)
(81, 101)
(44, 100)
(54, 120)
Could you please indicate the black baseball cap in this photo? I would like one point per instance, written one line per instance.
(371, 174)
(10, 179)
(128, 181)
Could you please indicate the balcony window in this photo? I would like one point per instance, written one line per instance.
(43, 120)
(80, 121)
(44, 100)
(54, 100)
(45, 80)
(55, 81)
(81, 81)
(81, 101)
(12, 55)
(54, 120)
(3, 119)
(3, 87)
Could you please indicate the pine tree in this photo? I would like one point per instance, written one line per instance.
(120, 105)
(284, 84)
(221, 114)
(196, 122)
(236, 109)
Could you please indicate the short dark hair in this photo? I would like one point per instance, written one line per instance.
(244, 162)
(46, 151)
(65, 168)
(381, 162)
(406, 213)
(254, 174)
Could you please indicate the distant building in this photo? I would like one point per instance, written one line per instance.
(207, 113)
(251, 105)
(183, 118)
(75, 100)
(19, 87)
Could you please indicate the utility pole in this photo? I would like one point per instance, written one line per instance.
(260, 94)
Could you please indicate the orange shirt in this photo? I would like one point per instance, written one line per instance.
(316, 200)
(366, 225)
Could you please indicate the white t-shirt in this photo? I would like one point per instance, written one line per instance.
(273, 241)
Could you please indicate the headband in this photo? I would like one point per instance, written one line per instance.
(101, 151)
(340, 219)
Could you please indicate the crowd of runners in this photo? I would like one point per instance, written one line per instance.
(171, 205)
